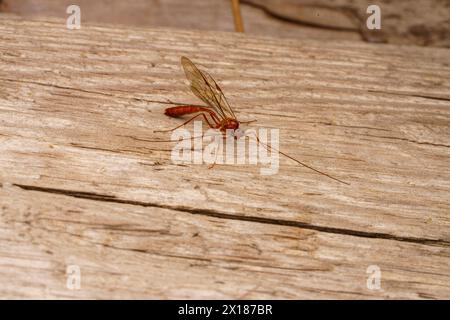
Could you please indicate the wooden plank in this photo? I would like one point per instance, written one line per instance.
(192, 15)
(130, 251)
(80, 177)
(422, 23)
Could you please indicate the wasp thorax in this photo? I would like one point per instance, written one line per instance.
(230, 124)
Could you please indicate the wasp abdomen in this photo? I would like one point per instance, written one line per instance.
(179, 111)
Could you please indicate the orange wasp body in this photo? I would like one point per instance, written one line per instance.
(221, 116)
(217, 108)
(222, 125)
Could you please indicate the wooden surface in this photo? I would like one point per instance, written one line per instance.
(80, 182)
(180, 14)
(421, 22)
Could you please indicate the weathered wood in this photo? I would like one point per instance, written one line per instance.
(194, 14)
(81, 182)
(422, 22)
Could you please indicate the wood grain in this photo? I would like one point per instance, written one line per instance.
(179, 14)
(422, 22)
(82, 183)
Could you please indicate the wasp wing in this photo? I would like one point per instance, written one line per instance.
(207, 89)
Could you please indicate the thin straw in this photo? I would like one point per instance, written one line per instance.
(238, 24)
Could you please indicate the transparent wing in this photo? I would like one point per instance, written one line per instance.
(206, 89)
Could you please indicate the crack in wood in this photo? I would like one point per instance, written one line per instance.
(268, 9)
(221, 215)
(407, 140)
(168, 102)
(406, 94)
(121, 151)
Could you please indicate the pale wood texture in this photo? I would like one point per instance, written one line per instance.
(420, 22)
(213, 15)
(81, 182)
